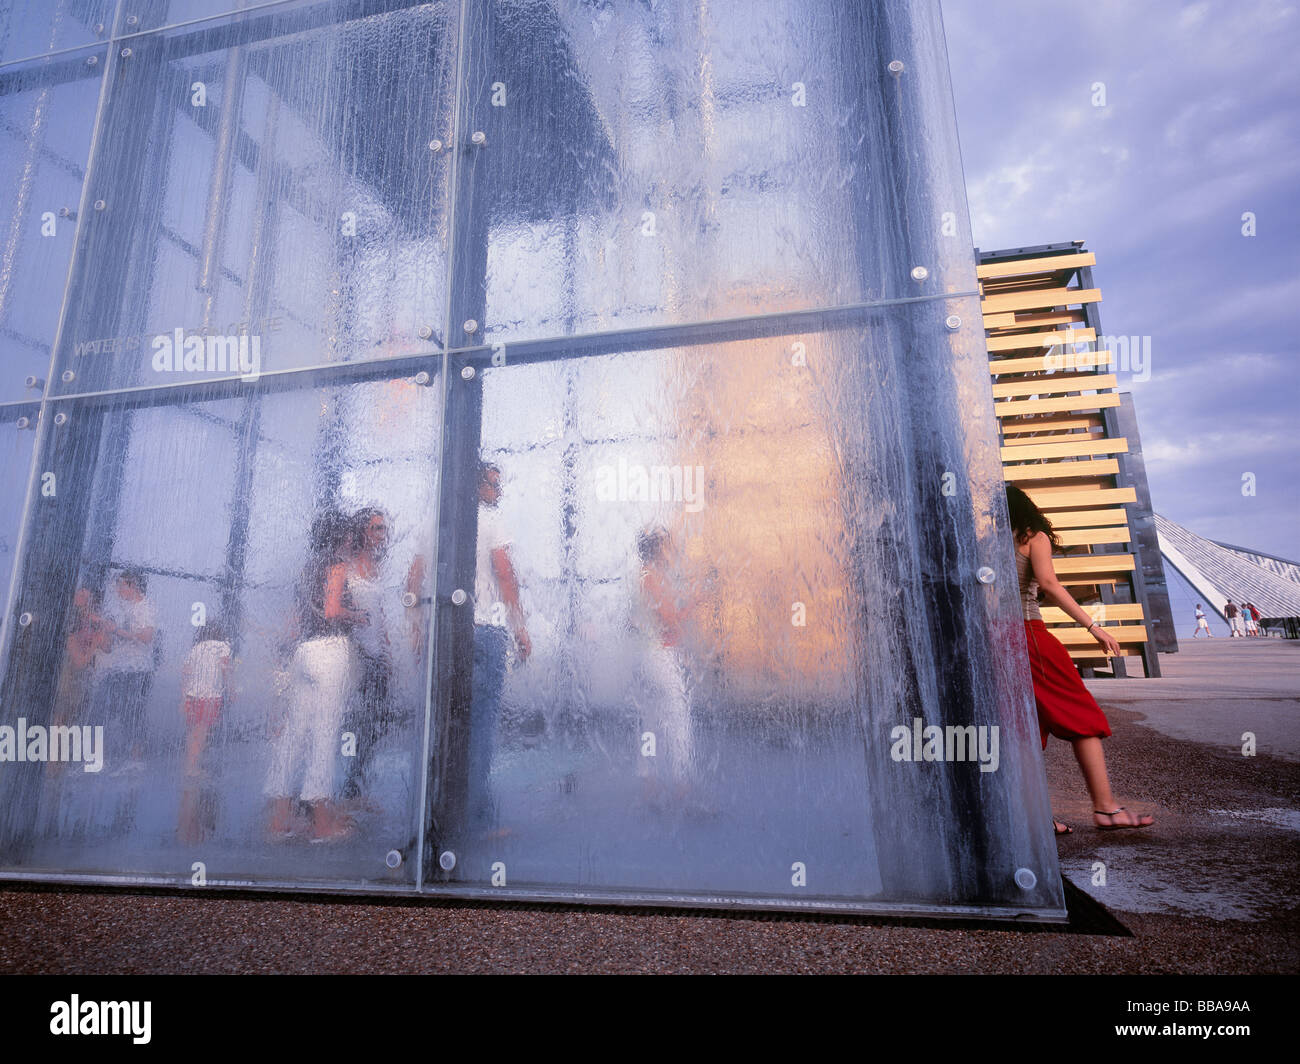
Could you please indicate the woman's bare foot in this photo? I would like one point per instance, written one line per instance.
(281, 818)
(328, 824)
(1120, 819)
(1062, 828)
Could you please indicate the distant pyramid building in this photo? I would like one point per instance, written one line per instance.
(1217, 572)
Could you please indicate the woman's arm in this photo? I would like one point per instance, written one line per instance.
(1040, 557)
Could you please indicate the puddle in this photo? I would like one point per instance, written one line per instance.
(1288, 819)
(1155, 887)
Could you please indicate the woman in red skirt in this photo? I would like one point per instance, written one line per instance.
(1065, 707)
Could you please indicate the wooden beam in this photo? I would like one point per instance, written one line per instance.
(1078, 537)
(1053, 497)
(999, 321)
(1056, 470)
(1089, 656)
(1088, 518)
(1046, 363)
(1094, 565)
(1055, 384)
(1041, 340)
(1054, 437)
(1045, 264)
(1043, 299)
(1058, 317)
(1069, 404)
(1098, 611)
(1121, 633)
(1066, 449)
(1052, 424)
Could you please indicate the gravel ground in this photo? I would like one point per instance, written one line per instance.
(1212, 889)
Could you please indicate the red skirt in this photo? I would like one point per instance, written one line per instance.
(1065, 707)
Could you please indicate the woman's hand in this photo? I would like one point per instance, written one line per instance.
(1105, 639)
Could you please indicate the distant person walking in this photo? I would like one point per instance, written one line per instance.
(205, 680)
(1233, 613)
(323, 673)
(205, 683)
(87, 635)
(374, 707)
(497, 612)
(1252, 619)
(1202, 625)
(125, 669)
(662, 679)
(365, 593)
(1065, 707)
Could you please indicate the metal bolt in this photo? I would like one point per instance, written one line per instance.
(409, 599)
(435, 145)
(896, 67)
(99, 29)
(65, 212)
(92, 60)
(60, 418)
(919, 273)
(68, 376)
(394, 859)
(24, 619)
(985, 575)
(471, 326)
(458, 597)
(422, 377)
(125, 53)
(467, 373)
(1025, 879)
(33, 381)
(132, 20)
(100, 204)
(22, 423)
(447, 860)
(952, 321)
(478, 137)
(426, 331)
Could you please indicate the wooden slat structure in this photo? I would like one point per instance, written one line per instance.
(1055, 394)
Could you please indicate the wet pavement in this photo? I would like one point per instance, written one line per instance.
(1212, 888)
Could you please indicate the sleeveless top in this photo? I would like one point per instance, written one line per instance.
(368, 595)
(1028, 588)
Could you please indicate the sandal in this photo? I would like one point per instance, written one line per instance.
(1122, 827)
(1057, 825)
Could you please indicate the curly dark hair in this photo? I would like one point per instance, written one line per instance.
(1026, 518)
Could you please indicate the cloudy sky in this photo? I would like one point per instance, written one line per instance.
(1200, 125)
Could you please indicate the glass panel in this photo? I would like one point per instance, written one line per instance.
(219, 586)
(270, 198)
(47, 114)
(34, 27)
(742, 566)
(17, 438)
(659, 164)
(151, 14)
